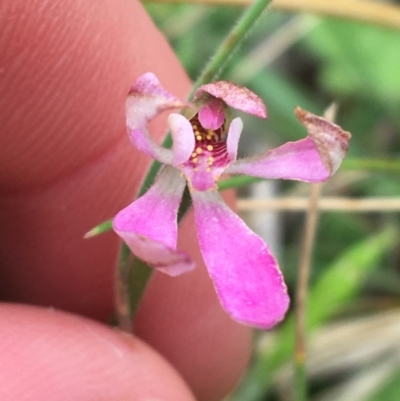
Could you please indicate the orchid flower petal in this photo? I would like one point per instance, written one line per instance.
(330, 140)
(145, 100)
(245, 274)
(149, 224)
(183, 138)
(212, 114)
(313, 159)
(298, 160)
(233, 95)
(232, 142)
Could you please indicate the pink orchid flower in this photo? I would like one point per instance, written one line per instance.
(245, 274)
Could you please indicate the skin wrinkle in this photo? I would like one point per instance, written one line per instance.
(82, 73)
(89, 163)
(46, 212)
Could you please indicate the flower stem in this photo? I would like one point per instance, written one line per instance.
(133, 276)
(301, 294)
(231, 43)
(121, 290)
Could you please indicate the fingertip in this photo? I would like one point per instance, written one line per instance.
(66, 73)
(66, 163)
(48, 355)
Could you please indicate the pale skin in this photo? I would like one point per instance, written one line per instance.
(66, 164)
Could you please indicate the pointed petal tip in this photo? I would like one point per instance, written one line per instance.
(300, 113)
(157, 255)
(330, 139)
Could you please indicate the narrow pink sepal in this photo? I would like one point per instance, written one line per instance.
(183, 138)
(145, 100)
(212, 114)
(149, 225)
(235, 96)
(232, 141)
(298, 160)
(245, 274)
(331, 140)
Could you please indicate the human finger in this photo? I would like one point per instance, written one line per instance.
(55, 356)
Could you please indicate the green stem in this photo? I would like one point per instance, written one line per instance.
(139, 273)
(300, 380)
(121, 290)
(373, 165)
(231, 43)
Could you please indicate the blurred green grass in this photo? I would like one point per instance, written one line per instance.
(356, 257)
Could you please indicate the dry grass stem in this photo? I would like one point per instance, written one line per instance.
(304, 271)
(372, 12)
(326, 204)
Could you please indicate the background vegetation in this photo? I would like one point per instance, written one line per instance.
(353, 312)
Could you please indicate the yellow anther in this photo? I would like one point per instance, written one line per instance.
(210, 163)
(210, 159)
(210, 147)
(194, 154)
(195, 160)
(194, 127)
(208, 169)
(198, 137)
(209, 137)
(199, 150)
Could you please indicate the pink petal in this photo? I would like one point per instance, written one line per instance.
(313, 159)
(236, 96)
(331, 141)
(183, 138)
(298, 160)
(149, 224)
(212, 114)
(245, 274)
(145, 100)
(232, 142)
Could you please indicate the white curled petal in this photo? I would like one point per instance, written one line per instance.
(145, 100)
(232, 142)
(183, 138)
